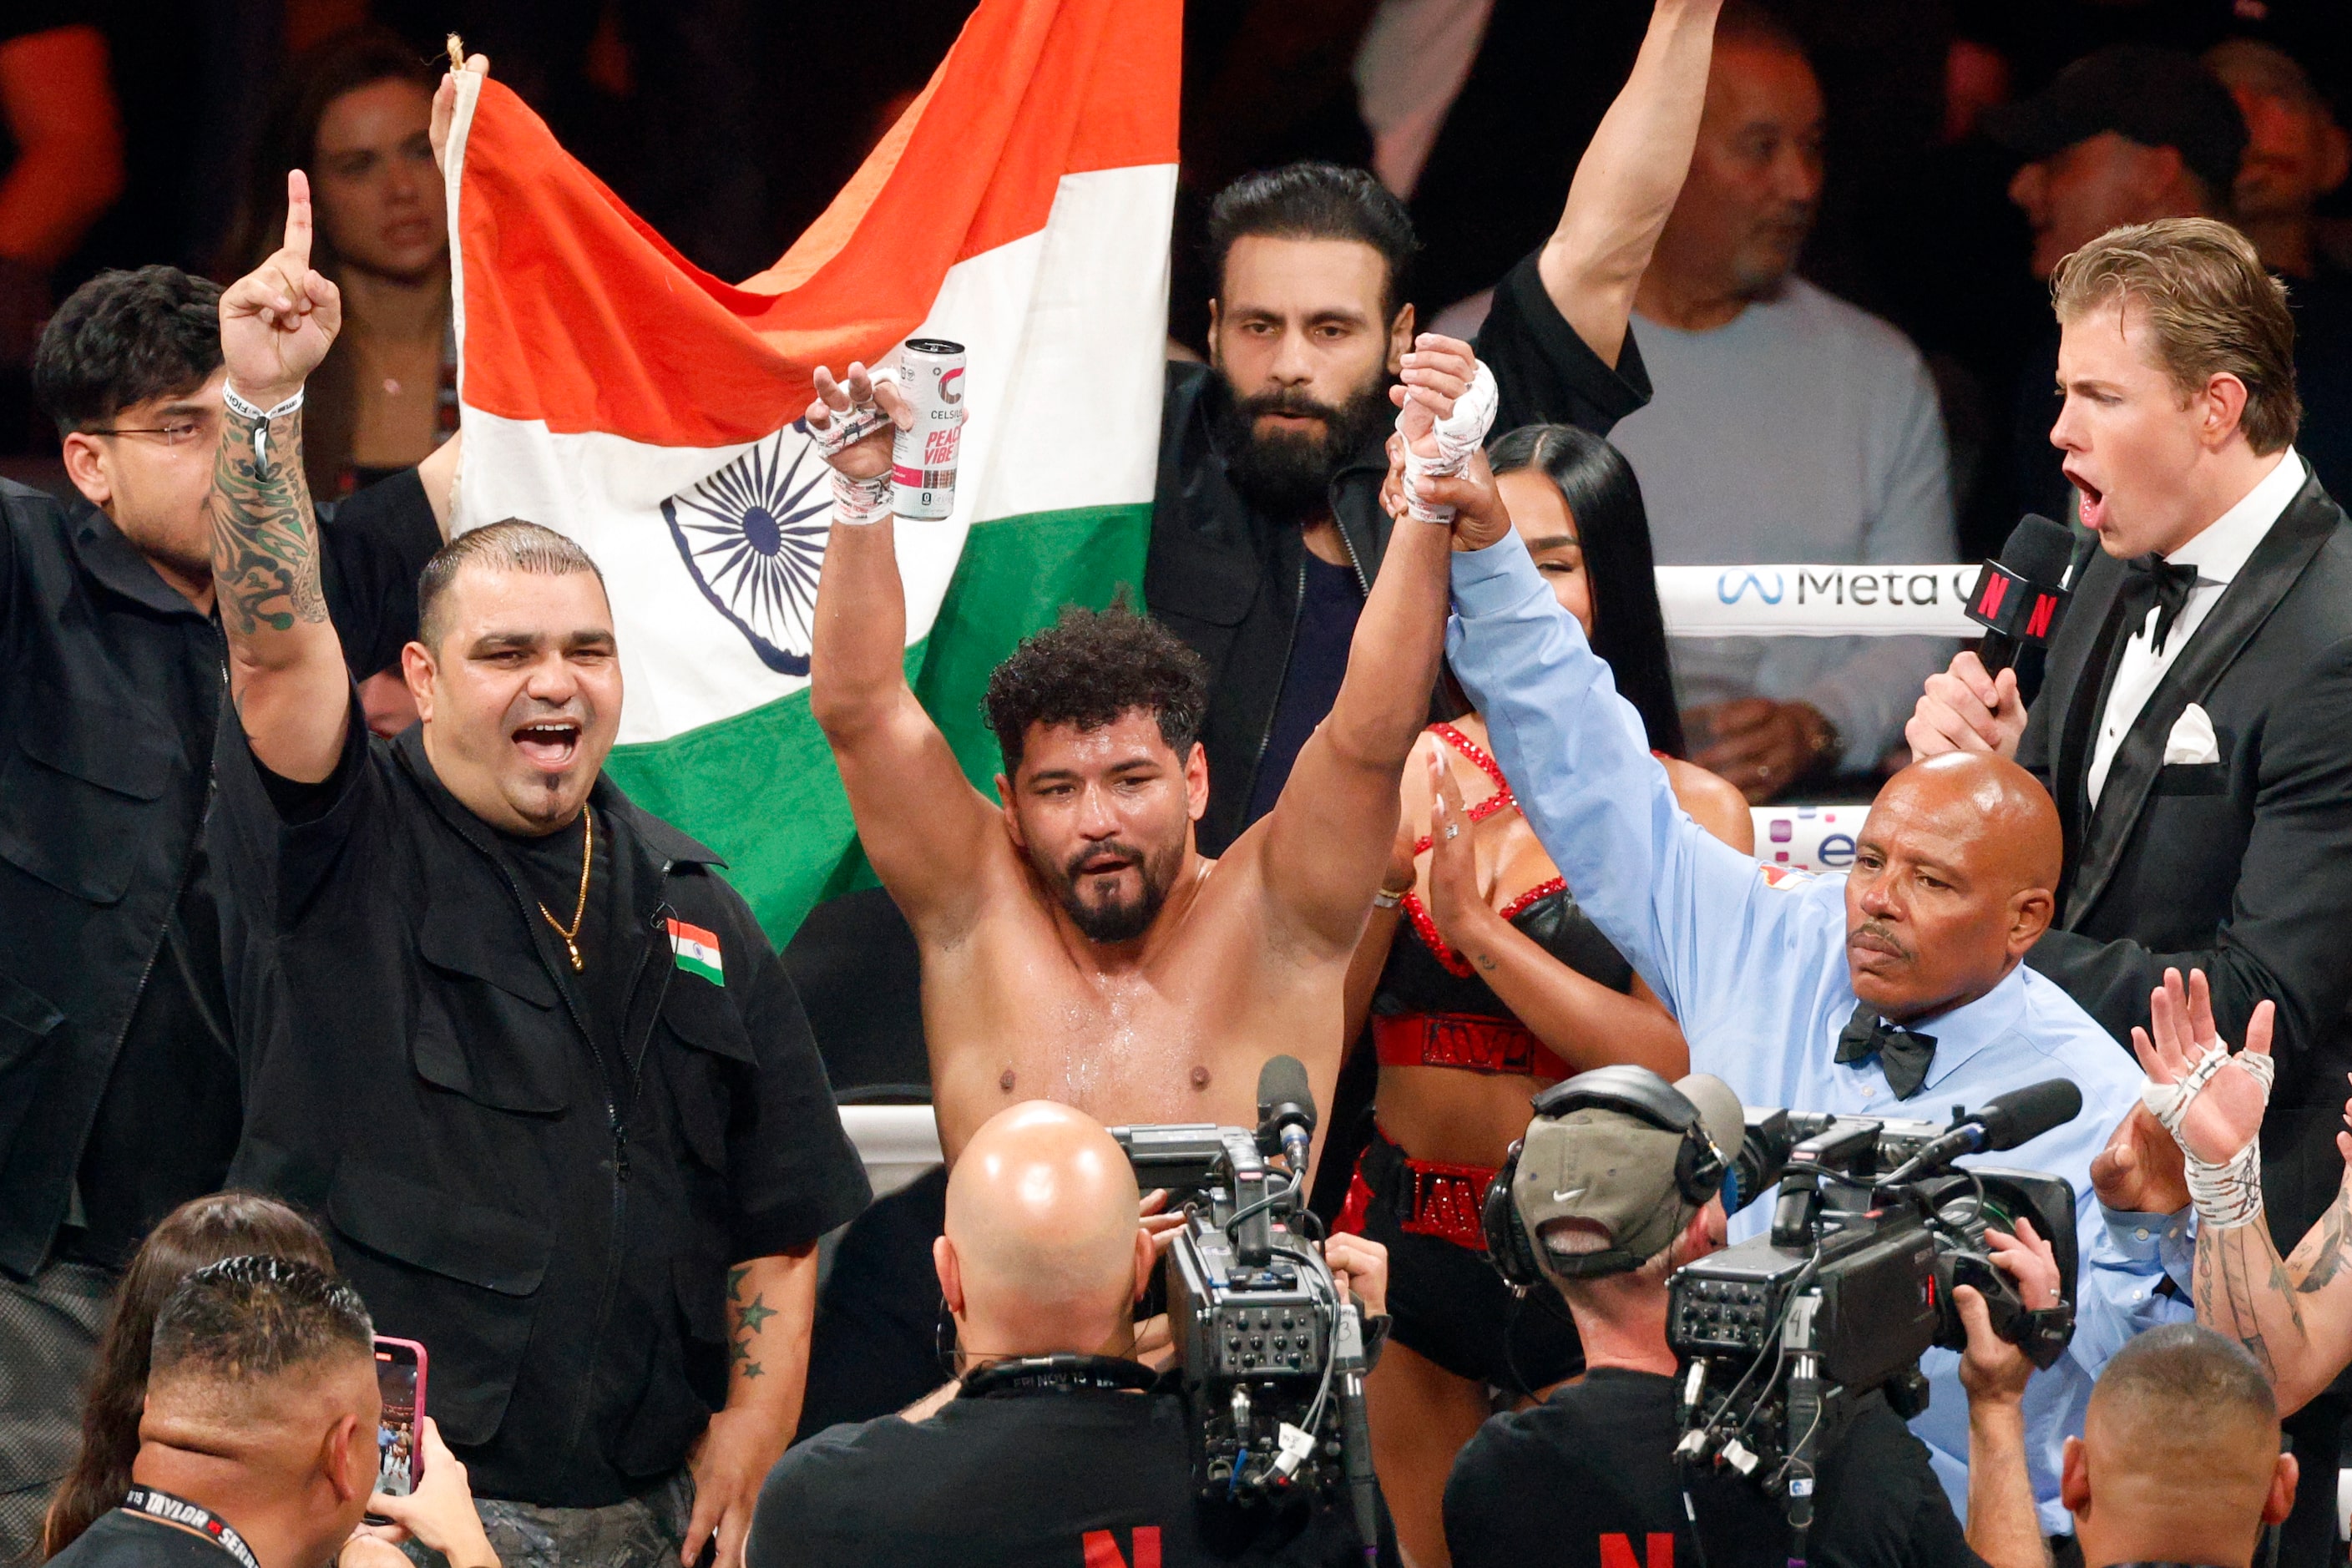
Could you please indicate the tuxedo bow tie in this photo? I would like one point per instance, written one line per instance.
(1903, 1054)
(2150, 579)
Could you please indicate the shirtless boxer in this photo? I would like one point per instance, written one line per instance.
(1075, 945)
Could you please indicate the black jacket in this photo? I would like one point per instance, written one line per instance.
(550, 1210)
(2242, 868)
(107, 716)
(1228, 579)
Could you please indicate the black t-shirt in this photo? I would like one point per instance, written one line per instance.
(1588, 1478)
(125, 1539)
(1075, 1479)
(1328, 612)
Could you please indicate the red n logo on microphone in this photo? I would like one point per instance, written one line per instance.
(1101, 1548)
(1996, 589)
(2045, 606)
(1617, 1552)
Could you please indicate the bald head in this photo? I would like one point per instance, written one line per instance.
(1953, 881)
(1999, 812)
(2179, 1454)
(1044, 1252)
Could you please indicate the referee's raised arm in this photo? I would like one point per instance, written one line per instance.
(286, 675)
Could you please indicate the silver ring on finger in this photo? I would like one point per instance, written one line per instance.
(1453, 830)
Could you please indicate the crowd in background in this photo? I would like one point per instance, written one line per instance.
(1836, 343)
(1890, 165)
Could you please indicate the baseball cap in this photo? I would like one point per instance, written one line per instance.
(2156, 97)
(1616, 1170)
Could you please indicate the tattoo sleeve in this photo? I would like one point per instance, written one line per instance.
(264, 533)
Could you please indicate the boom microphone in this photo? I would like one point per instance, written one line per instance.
(2004, 1122)
(2024, 1114)
(2020, 596)
(1286, 1112)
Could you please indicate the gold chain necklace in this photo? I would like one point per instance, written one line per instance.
(587, 848)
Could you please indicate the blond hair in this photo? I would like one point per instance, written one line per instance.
(2209, 309)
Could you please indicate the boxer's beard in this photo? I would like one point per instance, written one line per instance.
(1288, 474)
(1129, 918)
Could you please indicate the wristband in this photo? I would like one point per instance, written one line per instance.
(244, 408)
(1457, 435)
(860, 501)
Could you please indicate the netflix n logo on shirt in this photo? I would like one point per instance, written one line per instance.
(1101, 1549)
(1617, 1552)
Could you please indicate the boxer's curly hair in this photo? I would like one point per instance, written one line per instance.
(1088, 670)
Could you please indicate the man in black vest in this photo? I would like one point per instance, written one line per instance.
(119, 1096)
(2195, 726)
(515, 1040)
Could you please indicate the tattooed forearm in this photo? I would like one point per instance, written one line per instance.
(2320, 1256)
(264, 533)
(745, 1322)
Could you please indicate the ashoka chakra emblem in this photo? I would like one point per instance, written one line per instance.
(752, 537)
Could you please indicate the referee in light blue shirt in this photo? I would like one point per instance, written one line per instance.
(1760, 965)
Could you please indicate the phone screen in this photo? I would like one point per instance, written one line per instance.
(395, 1435)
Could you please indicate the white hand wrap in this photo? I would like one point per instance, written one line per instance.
(2231, 1194)
(858, 502)
(1459, 434)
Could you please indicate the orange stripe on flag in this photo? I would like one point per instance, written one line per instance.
(693, 933)
(577, 314)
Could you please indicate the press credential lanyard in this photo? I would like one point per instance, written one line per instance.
(180, 1510)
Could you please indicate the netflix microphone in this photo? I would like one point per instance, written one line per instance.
(2021, 595)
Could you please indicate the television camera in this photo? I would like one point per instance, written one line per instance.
(1272, 1360)
(1783, 1336)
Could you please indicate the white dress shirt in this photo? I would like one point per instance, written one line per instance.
(2218, 554)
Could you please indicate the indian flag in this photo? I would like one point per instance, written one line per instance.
(697, 950)
(614, 390)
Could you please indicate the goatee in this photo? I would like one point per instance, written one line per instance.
(1288, 474)
(1121, 920)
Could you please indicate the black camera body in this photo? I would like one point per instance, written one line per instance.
(1783, 1336)
(1254, 1311)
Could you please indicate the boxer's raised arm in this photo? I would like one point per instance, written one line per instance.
(1627, 181)
(285, 668)
(927, 832)
(1327, 841)
(2294, 1314)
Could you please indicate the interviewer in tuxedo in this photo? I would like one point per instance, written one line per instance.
(2195, 724)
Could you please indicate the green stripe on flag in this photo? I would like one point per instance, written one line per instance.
(760, 788)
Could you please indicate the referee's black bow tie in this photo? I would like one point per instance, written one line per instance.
(2152, 579)
(1903, 1054)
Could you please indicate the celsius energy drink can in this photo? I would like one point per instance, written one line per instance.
(923, 460)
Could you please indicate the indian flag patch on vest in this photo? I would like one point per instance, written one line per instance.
(697, 950)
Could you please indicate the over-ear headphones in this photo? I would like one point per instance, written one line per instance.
(1699, 1165)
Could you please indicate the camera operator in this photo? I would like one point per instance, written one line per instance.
(1059, 1447)
(1895, 991)
(1582, 1477)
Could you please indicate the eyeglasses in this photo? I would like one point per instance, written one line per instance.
(178, 433)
